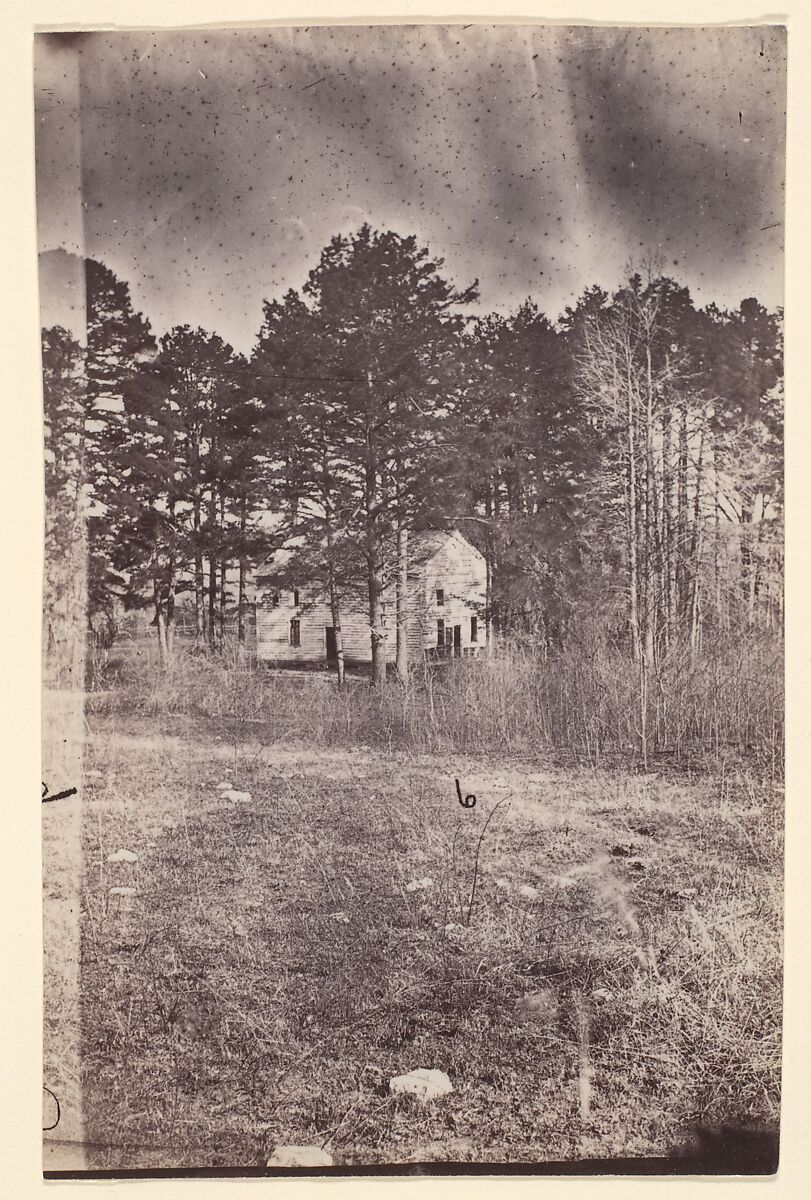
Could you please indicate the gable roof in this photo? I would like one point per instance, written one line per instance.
(426, 544)
(423, 545)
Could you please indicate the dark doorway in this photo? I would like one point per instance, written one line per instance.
(457, 639)
(332, 648)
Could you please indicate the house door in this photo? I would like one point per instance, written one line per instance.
(457, 640)
(332, 648)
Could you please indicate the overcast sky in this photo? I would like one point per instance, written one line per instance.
(209, 168)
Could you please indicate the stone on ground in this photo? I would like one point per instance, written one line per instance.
(300, 1156)
(423, 1083)
(127, 856)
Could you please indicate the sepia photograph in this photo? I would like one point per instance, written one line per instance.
(413, 603)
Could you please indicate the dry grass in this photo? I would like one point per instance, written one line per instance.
(273, 971)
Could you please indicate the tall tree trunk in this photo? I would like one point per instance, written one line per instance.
(668, 521)
(695, 607)
(376, 614)
(488, 570)
(241, 599)
(160, 626)
(716, 543)
(334, 598)
(682, 519)
(696, 539)
(223, 577)
(696, 543)
(698, 497)
(212, 567)
(293, 487)
(374, 553)
(631, 522)
(335, 610)
(499, 611)
(212, 601)
(488, 601)
(222, 599)
(197, 533)
(650, 528)
(170, 609)
(171, 583)
(199, 580)
(756, 582)
(402, 601)
(746, 551)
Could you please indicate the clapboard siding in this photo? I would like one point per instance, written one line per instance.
(452, 564)
(315, 617)
(459, 570)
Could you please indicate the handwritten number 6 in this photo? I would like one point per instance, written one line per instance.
(55, 1098)
(468, 801)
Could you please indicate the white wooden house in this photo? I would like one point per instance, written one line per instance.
(445, 608)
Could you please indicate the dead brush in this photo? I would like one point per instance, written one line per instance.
(582, 703)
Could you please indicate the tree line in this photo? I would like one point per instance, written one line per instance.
(619, 468)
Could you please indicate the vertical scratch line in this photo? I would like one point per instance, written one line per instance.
(585, 1065)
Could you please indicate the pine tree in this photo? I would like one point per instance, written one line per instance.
(119, 341)
(524, 462)
(197, 373)
(137, 487)
(307, 464)
(388, 322)
(118, 337)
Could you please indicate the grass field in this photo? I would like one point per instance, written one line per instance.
(598, 971)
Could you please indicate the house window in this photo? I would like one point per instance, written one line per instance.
(440, 597)
(474, 629)
(440, 633)
(295, 633)
(295, 598)
(272, 599)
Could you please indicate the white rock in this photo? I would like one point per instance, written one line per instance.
(224, 785)
(122, 891)
(126, 856)
(234, 795)
(419, 885)
(528, 891)
(602, 994)
(504, 884)
(686, 893)
(300, 1156)
(424, 1084)
(340, 916)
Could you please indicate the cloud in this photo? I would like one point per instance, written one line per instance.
(538, 158)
